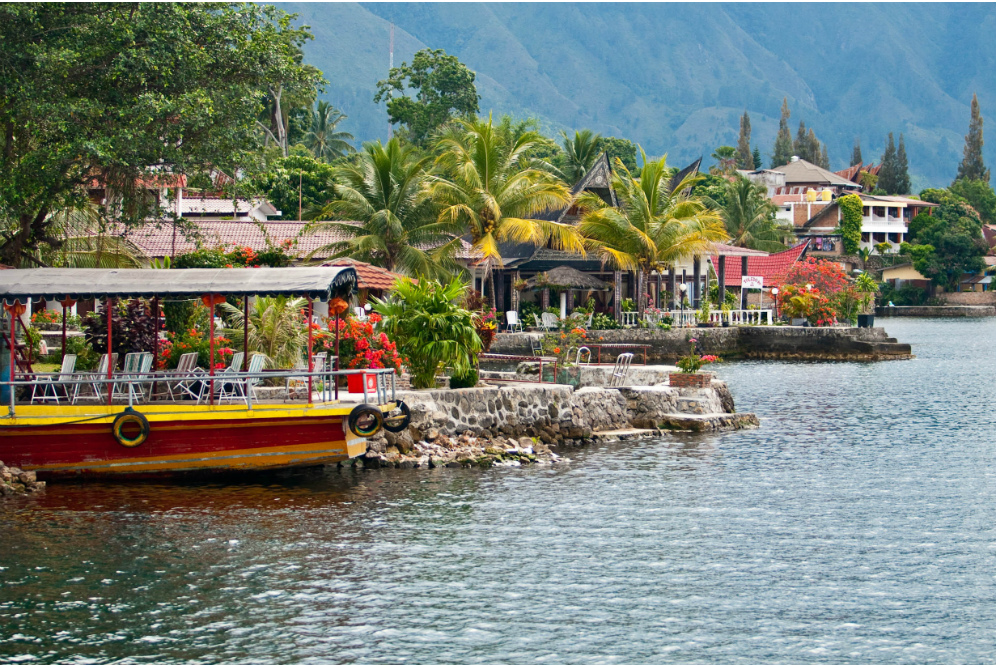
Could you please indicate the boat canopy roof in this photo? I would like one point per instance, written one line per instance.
(84, 283)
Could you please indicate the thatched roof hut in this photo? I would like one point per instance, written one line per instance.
(565, 277)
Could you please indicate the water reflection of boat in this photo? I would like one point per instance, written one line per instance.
(210, 421)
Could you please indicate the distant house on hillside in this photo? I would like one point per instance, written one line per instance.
(856, 172)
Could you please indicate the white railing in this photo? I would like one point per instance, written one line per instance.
(743, 317)
(630, 318)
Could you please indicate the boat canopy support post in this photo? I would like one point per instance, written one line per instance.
(311, 341)
(209, 301)
(245, 333)
(109, 306)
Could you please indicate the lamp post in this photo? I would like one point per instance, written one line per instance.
(774, 295)
(682, 287)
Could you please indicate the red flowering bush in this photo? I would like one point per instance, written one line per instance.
(693, 362)
(360, 345)
(825, 276)
(821, 292)
(194, 341)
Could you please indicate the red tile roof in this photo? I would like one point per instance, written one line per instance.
(772, 267)
(369, 276)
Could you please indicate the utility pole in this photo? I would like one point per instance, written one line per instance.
(390, 61)
(300, 176)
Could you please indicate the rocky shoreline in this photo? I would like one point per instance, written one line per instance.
(15, 481)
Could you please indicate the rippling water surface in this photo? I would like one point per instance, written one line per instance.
(857, 525)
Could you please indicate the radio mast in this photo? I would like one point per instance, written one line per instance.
(390, 66)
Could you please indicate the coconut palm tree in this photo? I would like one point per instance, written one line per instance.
(323, 139)
(581, 152)
(749, 216)
(81, 240)
(726, 159)
(387, 217)
(654, 226)
(484, 186)
(276, 329)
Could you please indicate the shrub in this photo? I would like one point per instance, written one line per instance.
(850, 223)
(431, 329)
(561, 343)
(468, 380)
(360, 345)
(195, 341)
(86, 358)
(604, 322)
(132, 327)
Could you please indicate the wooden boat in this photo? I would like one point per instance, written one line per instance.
(132, 439)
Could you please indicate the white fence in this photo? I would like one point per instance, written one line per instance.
(689, 317)
(743, 317)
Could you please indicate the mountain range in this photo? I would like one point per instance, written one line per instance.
(676, 77)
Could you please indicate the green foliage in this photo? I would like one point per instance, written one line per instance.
(948, 243)
(756, 154)
(906, 295)
(745, 159)
(893, 177)
(297, 180)
(602, 321)
(277, 329)
(132, 328)
(443, 87)
(323, 137)
(731, 298)
(580, 153)
(430, 328)
(749, 216)
(782, 152)
(622, 149)
(972, 166)
(129, 91)
(526, 312)
(856, 153)
(467, 380)
(979, 194)
(883, 247)
(726, 160)
(397, 229)
(202, 258)
(850, 222)
(195, 340)
(86, 358)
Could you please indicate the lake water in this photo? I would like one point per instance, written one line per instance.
(857, 525)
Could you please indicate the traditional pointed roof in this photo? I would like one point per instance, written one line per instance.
(598, 179)
(773, 267)
(684, 173)
(802, 172)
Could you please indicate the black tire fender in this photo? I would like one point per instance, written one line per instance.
(130, 417)
(365, 420)
(400, 423)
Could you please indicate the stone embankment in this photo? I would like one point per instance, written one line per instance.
(520, 423)
(768, 342)
(938, 311)
(15, 481)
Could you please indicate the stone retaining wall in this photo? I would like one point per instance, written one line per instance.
(940, 311)
(774, 342)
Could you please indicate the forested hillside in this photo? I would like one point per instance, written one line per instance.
(676, 77)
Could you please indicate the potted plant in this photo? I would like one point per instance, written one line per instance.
(725, 309)
(689, 376)
(703, 315)
(867, 287)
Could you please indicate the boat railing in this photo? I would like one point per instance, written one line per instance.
(383, 391)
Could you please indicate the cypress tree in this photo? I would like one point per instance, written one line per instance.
(745, 160)
(856, 153)
(813, 148)
(902, 168)
(887, 174)
(972, 167)
(824, 158)
(783, 142)
(800, 148)
(756, 155)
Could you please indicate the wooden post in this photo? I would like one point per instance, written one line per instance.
(311, 341)
(617, 294)
(721, 277)
(63, 331)
(109, 304)
(697, 281)
(672, 286)
(743, 291)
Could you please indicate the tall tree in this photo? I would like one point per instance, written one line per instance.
(484, 187)
(824, 157)
(443, 88)
(654, 226)
(580, 153)
(323, 138)
(119, 93)
(756, 154)
(783, 142)
(726, 160)
(387, 219)
(856, 153)
(887, 174)
(902, 182)
(749, 217)
(745, 160)
(800, 147)
(972, 166)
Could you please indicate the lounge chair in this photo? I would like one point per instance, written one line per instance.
(51, 384)
(95, 388)
(241, 386)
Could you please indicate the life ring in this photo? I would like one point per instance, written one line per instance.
(400, 423)
(365, 420)
(131, 418)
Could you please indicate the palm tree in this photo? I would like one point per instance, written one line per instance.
(484, 187)
(324, 142)
(581, 153)
(276, 329)
(388, 218)
(83, 241)
(654, 226)
(749, 216)
(726, 159)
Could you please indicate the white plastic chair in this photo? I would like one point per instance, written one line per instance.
(512, 319)
(221, 377)
(539, 323)
(550, 321)
(360, 313)
(99, 373)
(239, 388)
(189, 374)
(132, 366)
(51, 383)
(585, 352)
(621, 370)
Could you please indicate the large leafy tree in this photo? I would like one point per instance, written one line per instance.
(484, 186)
(443, 88)
(654, 226)
(948, 243)
(297, 183)
(391, 222)
(122, 94)
(323, 138)
(749, 217)
(623, 149)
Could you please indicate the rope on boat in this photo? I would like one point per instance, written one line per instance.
(70, 422)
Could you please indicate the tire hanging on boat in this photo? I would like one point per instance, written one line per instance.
(365, 420)
(130, 417)
(400, 423)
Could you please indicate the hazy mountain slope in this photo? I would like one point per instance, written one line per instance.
(675, 77)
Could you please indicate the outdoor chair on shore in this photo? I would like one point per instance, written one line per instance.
(94, 389)
(550, 321)
(52, 384)
(512, 320)
(539, 323)
(583, 357)
(621, 370)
